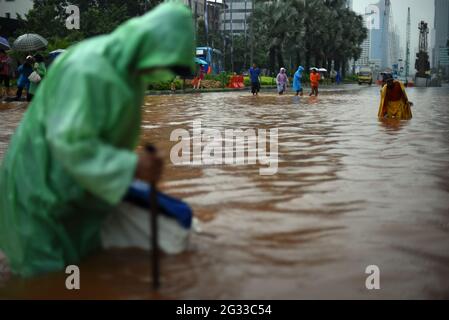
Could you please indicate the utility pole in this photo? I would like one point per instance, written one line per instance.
(246, 39)
(232, 39)
(252, 32)
(386, 35)
(206, 22)
(407, 50)
(305, 22)
(195, 16)
(224, 35)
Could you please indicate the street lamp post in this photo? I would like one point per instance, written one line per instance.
(224, 35)
(252, 32)
(232, 39)
(246, 42)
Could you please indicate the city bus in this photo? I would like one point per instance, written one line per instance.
(213, 57)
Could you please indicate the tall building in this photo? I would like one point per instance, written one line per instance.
(235, 16)
(432, 47)
(208, 11)
(395, 54)
(11, 8)
(440, 57)
(380, 34)
(364, 59)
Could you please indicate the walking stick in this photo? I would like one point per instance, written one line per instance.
(154, 241)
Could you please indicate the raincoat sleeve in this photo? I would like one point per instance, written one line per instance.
(404, 91)
(382, 110)
(77, 131)
(42, 70)
(406, 111)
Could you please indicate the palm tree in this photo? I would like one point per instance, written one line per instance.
(319, 32)
(272, 21)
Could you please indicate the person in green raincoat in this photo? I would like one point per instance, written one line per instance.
(40, 68)
(72, 157)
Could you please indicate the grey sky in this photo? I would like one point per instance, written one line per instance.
(420, 10)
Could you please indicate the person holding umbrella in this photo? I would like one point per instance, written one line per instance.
(23, 82)
(72, 160)
(314, 81)
(31, 42)
(200, 77)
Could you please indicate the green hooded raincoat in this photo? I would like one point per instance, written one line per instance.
(71, 158)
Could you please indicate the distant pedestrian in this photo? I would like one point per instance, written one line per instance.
(282, 81)
(297, 86)
(314, 82)
(254, 74)
(338, 77)
(199, 78)
(40, 68)
(5, 65)
(24, 72)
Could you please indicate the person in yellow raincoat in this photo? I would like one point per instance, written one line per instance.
(72, 157)
(394, 103)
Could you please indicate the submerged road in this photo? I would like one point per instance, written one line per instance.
(349, 192)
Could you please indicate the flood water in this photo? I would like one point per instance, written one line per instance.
(350, 192)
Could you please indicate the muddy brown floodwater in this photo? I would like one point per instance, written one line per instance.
(350, 192)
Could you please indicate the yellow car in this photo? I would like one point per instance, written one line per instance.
(365, 76)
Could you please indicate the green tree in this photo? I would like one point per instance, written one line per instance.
(311, 33)
(272, 22)
(47, 17)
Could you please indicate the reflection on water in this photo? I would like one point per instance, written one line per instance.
(350, 191)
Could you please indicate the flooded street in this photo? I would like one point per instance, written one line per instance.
(350, 192)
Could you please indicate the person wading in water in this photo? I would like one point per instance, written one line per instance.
(394, 103)
(72, 160)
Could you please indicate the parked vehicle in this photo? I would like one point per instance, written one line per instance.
(365, 75)
(213, 57)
